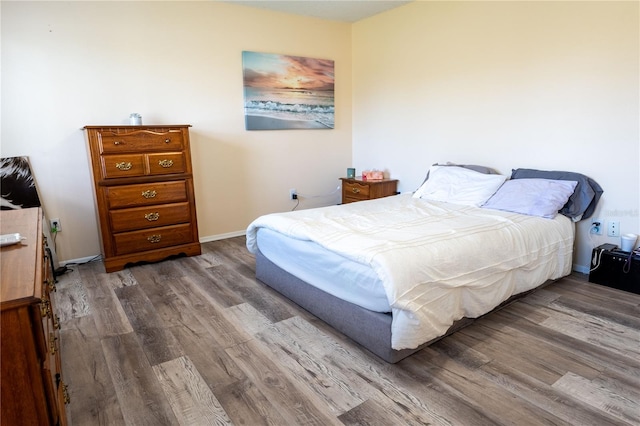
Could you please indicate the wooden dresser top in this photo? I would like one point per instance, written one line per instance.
(19, 262)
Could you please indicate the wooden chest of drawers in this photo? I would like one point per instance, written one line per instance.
(31, 383)
(358, 190)
(144, 193)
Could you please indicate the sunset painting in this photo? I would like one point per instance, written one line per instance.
(287, 92)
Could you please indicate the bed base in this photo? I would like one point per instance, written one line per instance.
(368, 328)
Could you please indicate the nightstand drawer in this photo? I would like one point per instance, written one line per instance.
(154, 238)
(359, 190)
(112, 142)
(355, 190)
(149, 217)
(146, 194)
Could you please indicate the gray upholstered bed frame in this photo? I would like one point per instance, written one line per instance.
(368, 328)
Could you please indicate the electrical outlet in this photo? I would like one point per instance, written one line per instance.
(597, 225)
(613, 228)
(293, 194)
(55, 225)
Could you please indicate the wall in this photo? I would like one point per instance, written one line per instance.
(70, 64)
(551, 85)
(547, 85)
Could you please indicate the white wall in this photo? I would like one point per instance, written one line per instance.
(547, 85)
(70, 64)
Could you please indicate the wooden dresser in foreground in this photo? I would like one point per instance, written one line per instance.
(358, 190)
(31, 384)
(144, 193)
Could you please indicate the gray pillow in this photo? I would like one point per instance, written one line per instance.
(582, 203)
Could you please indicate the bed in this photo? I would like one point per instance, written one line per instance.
(397, 273)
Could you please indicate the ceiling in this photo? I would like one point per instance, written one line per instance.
(335, 10)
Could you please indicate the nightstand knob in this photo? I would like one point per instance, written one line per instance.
(154, 238)
(356, 190)
(167, 140)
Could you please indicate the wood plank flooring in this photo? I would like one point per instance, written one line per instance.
(200, 341)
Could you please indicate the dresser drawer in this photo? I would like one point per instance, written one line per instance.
(165, 163)
(146, 194)
(149, 217)
(119, 166)
(355, 191)
(154, 238)
(112, 142)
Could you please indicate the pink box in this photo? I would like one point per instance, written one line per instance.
(372, 175)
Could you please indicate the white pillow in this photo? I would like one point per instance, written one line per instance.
(459, 185)
(535, 197)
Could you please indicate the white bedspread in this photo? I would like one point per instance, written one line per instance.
(439, 262)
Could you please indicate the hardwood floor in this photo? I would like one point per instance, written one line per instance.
(199, 341)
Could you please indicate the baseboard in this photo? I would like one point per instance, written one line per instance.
(201, 239)
(582, 269)
(79, 260)
(222, 236)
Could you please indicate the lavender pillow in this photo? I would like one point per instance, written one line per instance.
(534, 197)
(584, 199)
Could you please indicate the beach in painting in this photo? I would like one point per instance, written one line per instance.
(263, 122)
(288, 108)
(287, 92)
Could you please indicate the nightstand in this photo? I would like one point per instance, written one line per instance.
(354, 189)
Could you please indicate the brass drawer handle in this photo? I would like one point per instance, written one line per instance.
(167, 140)
(45, 307)
(118, 143)
(56, 322)
(356, 190)
(152, 217)
(149, 193)
(124, 165)
(52, 343)
(65, 394)
(165, 163)
(51, 284)
(154, 238)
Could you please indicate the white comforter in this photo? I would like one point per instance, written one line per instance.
(439, 262)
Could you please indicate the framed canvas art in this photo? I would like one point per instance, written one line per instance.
(17, 184)
(287, 92)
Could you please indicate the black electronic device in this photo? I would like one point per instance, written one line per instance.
(615, 268)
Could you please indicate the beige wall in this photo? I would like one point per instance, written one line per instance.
(547, 85)
(550, 85)
(70, 64)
